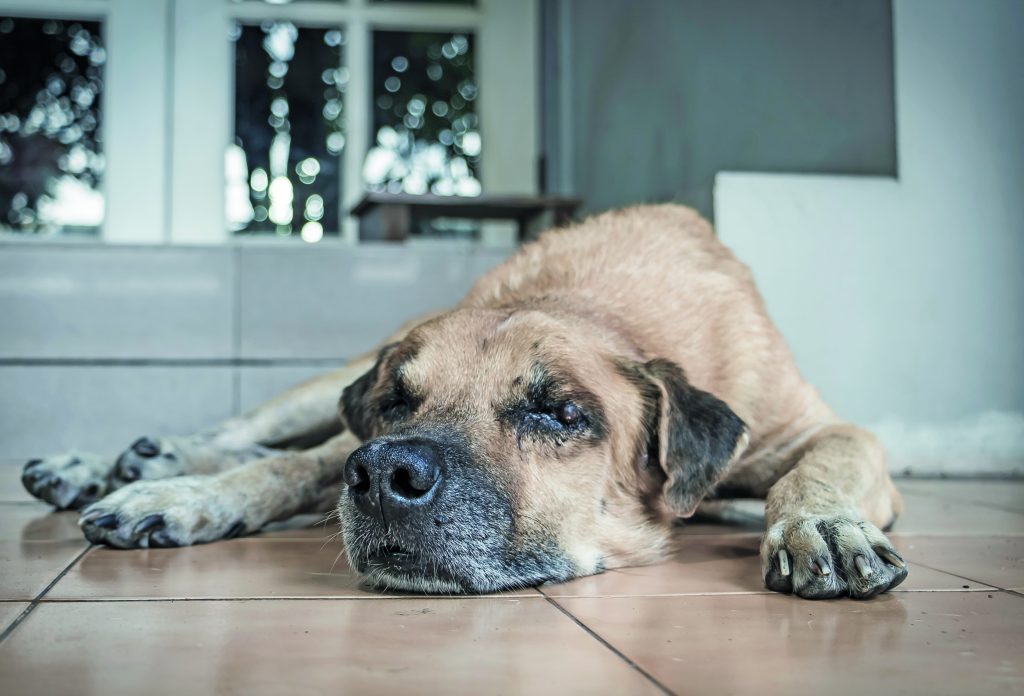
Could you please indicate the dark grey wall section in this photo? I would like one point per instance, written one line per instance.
(663, 94)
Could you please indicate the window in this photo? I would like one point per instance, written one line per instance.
(284, 169)
(426, 130)
(51, 148)
(240, 118)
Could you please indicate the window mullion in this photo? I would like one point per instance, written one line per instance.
(358, 111)
(135, 102)
(201, 122)
(507, 69)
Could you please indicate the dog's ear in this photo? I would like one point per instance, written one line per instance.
(357, 410)
(692, 435)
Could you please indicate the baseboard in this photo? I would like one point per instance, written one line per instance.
(987, 445)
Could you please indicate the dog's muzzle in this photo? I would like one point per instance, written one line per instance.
(419, 514)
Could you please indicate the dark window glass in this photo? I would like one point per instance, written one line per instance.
(51, 155)
(284, 172)
(426, 136)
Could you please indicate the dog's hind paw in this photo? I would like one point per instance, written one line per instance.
(818, 557)
(180, 511)
(68, 481)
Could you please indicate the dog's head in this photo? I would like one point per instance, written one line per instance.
(505, 449)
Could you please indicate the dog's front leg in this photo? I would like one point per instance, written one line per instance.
(823, 519)
(198, 509)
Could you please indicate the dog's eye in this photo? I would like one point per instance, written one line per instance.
(395, 407)
(569, 414)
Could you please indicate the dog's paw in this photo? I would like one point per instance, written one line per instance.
(817, 557)
(149, 458)
(152, 458)
(68, 481)
(180, 511)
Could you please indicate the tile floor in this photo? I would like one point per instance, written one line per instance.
(282, 613)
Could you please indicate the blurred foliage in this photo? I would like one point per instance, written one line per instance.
(424, 119)
(51, 80)
(289, 89)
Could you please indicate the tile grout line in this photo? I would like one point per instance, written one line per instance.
(661, 687)
(39, 597)
(963, 577)
(282, 598)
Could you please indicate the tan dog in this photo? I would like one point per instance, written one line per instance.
(584, 395)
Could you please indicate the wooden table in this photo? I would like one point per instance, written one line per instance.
(393, 216)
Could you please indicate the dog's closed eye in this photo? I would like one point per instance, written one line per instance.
(399, 404)
(556, 423)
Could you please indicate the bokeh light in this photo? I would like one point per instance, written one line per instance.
(290, 123)
(427, 137)
(51, 150)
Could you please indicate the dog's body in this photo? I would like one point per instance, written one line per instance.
(585, 393)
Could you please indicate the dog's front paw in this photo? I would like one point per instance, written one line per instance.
(67, 481)
(817, 557)
(173, 512)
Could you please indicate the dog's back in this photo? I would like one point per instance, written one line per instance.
(661, 277)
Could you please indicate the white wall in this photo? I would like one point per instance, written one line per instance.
(904, 299)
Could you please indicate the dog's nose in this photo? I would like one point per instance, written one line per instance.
(389, 480)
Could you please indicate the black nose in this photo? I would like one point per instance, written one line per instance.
(144, 447)
(389, 480)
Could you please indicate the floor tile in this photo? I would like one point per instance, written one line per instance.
(913, 642)
(243, 568)
(9, 611)
(37, 522)
(1000, 494)
(718, 564)
(26, 568)
(938, 515)
(996, 560)
(468, 646)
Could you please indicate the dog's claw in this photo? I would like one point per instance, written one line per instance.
(863, 567)
(821, 567)
(149, 523)
(784, 562)
(108, 521)
(892, 557)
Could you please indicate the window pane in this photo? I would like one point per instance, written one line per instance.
(284, 171)
(51, 161)
(426, 134)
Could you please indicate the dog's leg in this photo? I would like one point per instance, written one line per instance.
(196, 509)
(823, 519)
(307, 412)
(305, 415)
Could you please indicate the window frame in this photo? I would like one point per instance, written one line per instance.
(168, 186)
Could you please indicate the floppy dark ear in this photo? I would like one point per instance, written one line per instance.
(356, 408)
(695, 435)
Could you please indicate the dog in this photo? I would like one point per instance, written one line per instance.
(584, 396)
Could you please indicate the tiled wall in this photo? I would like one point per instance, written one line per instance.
(100, 344)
